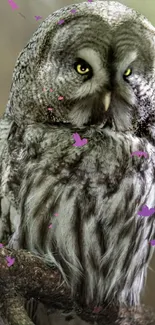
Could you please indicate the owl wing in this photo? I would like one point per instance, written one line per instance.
(8, 213)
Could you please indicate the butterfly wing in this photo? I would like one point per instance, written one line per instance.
(76, 137)
(152, 211)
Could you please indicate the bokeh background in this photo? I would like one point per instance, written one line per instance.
(15, 32)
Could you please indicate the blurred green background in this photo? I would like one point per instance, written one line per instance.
(15, 31)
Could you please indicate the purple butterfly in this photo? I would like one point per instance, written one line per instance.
(152, 242)
(78, 141)
(13, 4)
(139, 154)
(10, 260)
(38, 17)
(61, 21)
(146, 212)
(73, 11)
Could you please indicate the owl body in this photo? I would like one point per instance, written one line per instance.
(91, 194)
(97, 191)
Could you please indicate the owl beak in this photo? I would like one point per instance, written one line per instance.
(107, 100)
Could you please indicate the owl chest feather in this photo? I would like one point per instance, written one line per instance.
(78, 207)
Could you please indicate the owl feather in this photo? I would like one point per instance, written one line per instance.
(97, 240)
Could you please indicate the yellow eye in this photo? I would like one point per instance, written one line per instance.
(83, 68)
(128, 72)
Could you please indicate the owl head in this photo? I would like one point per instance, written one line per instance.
(88, 64)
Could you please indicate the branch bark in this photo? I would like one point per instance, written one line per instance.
(29, 277)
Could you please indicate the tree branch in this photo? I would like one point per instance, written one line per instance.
(29, 277)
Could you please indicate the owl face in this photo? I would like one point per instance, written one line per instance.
(99, 61)
(104, 72)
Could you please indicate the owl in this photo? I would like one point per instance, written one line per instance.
(88, 72)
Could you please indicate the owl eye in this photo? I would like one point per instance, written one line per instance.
(83, 68)
(127, 73)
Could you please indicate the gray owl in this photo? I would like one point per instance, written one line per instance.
(89, 71)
